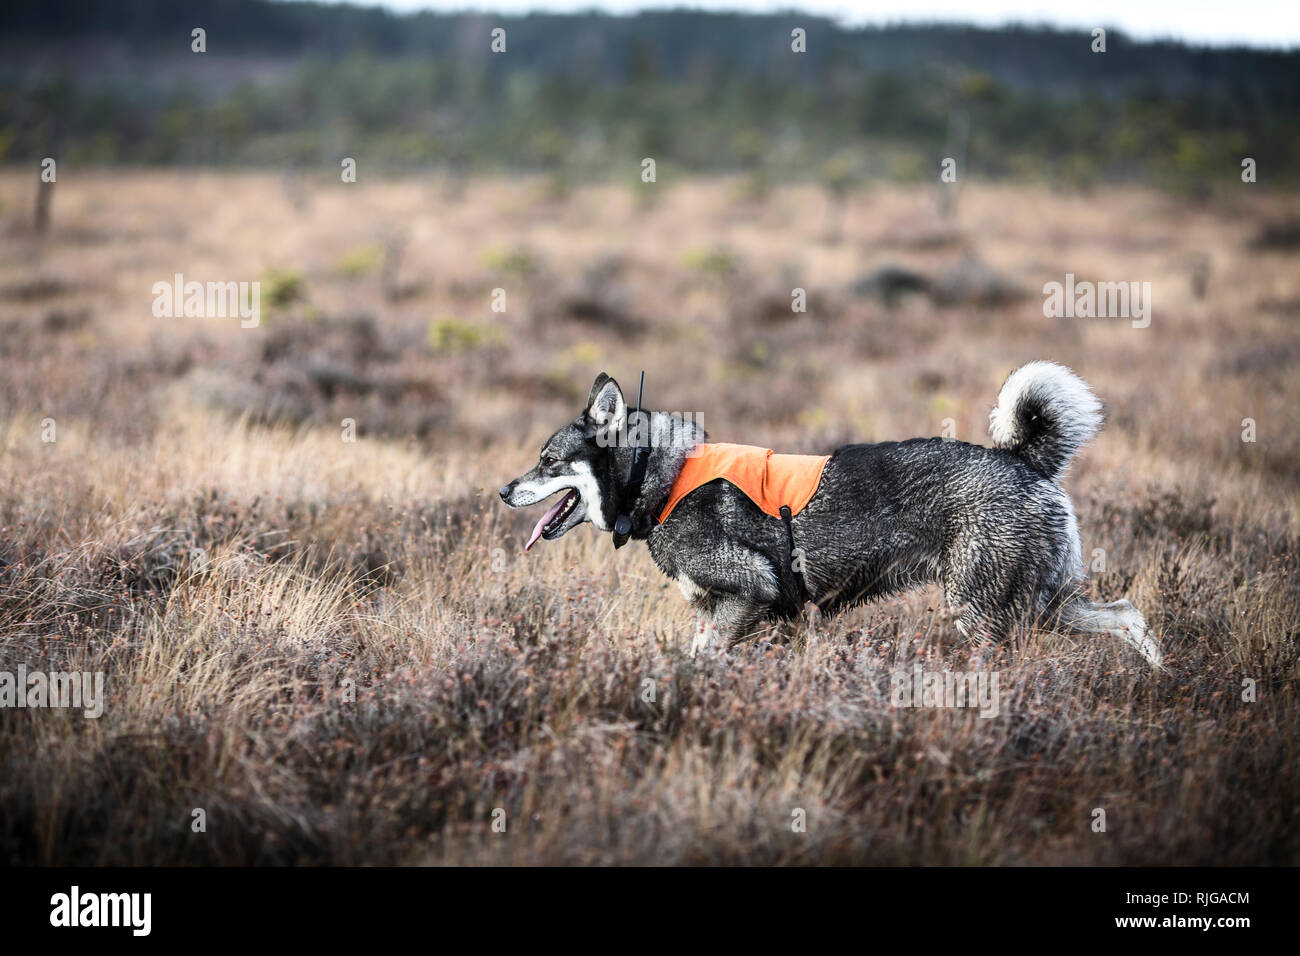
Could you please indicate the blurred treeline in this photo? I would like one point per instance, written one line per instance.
(587, 96)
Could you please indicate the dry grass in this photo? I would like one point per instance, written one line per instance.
(201, 533)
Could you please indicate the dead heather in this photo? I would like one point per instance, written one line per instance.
(338, 651)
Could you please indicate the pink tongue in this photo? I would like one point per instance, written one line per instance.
(537, 531)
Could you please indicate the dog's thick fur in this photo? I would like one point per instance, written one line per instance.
(991, 525)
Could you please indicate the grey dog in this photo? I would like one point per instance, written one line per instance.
(992, 526)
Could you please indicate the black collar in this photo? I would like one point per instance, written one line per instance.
(623, 526)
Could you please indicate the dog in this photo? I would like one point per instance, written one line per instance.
(991, 525)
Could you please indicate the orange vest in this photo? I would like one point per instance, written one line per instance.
(769, 480)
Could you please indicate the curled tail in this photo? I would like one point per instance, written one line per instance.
(1045, 414)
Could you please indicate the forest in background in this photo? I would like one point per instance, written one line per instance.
(585, 97)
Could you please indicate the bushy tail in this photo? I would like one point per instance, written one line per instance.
(1045, 413)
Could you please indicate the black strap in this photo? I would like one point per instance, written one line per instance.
(789, 537)
(635, 474)
(635, 479)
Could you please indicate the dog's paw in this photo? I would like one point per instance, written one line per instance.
(706, 637)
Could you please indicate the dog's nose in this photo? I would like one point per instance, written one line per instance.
(504, 491)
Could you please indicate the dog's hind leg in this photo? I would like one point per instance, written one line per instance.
(1119, 618)
(982, 595)
(975, 621)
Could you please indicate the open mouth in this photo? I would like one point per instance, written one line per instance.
(554, 519)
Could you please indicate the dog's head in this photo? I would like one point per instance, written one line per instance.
(581, 462)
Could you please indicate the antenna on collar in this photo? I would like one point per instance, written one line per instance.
(636, 474)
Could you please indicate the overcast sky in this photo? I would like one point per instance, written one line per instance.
(1255, 22)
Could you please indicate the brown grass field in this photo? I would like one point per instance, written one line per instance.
(200, 531)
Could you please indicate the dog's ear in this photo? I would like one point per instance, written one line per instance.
(596, 386)
(606, 408)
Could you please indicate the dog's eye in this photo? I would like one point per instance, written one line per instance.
(550, 460)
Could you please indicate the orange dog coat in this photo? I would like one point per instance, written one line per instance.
(769, 480)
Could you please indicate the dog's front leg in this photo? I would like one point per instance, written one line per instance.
(732, 619)
(728, 598)
(703, 603)
(706, 635)
(720, 622)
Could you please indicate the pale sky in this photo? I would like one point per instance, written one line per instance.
(1273, 23)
